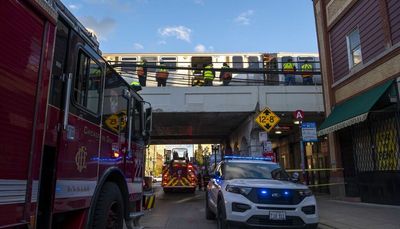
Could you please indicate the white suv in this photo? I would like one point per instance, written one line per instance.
(247, 192)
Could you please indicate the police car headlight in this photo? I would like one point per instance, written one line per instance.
(305, 192)
(238, 189)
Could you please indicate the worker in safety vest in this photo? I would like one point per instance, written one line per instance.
(162, 76)
(136, 86)
(307, 77)
(208, 75)
(225, 76)
(288, 69)
(198, 79)
(141, 71)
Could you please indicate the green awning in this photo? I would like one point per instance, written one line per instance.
(353, 111)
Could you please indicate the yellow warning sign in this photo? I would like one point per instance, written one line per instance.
(267, 119)
(116, 122)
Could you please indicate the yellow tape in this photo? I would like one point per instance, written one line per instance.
(329, 184)
(310, 170)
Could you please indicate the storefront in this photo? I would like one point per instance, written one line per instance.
(367, 129)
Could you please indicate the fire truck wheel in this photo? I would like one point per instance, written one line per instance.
(209, 213)
(109, 208)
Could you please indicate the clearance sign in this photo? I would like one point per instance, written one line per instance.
(267, 119)
(116, 122)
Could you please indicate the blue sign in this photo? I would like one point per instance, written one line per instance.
(309, 131)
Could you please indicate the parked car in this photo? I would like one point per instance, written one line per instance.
(257, 193)
(157, 179)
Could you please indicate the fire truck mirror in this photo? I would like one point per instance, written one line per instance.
(148, 123)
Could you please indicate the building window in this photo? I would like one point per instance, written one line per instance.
(354, 48)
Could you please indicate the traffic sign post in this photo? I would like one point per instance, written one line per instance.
(299, 115)
(267, 119)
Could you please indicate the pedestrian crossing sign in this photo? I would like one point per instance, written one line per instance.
(267, 119)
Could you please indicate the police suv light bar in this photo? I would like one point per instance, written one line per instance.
(247, 158)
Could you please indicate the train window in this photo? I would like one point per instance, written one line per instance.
(254, 62)
(237, 61)
(127, 63)
(151, 61)
(87, 86)
(169, 62)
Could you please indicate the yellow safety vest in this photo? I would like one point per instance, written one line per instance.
(306, 68)
(288, 67)
(208, 74)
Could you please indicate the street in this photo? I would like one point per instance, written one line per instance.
(186, 210)
(177, 210)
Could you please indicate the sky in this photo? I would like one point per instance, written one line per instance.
(187, 26)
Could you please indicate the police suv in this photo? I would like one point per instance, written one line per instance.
(253, 192)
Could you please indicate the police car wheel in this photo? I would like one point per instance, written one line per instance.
(209, 213)
(221, 216)
(109, 209)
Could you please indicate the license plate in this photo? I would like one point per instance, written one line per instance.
(277, 215)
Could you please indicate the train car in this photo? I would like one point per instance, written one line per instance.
(73, 132)
(252, 68)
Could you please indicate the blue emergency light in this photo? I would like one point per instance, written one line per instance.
(247, 158)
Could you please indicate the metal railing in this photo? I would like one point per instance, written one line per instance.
(180, 76)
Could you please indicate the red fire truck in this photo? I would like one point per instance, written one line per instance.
(178, 173)
(73, 133)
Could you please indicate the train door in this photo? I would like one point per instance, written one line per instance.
(238, 78)
(198, 63)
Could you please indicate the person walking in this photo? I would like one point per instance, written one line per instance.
(307, 77)
(225, 76)
(141, 72)
(288, 69)
(209, 75)
(162, 76)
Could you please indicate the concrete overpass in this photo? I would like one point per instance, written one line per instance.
(190, 115)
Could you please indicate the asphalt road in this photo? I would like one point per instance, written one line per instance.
(177, 210)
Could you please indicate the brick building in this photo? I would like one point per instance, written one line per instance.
(359, 45)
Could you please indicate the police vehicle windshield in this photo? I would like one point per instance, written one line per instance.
(254, 171)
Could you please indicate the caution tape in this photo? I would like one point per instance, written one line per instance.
(310, 170)
(329, 184)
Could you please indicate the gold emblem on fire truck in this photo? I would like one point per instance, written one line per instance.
(80, 158)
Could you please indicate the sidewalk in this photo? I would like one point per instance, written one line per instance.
(348, 215)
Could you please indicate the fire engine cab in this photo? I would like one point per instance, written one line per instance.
(72, 131)
(178, 172)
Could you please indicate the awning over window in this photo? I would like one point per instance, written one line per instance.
(354, 110)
